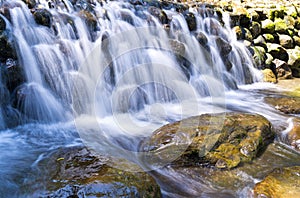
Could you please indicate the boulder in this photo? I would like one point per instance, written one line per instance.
(14, 74)
(277, 51)
(267, 26)
(285, 104)
(255, 29)
(30, 3)
(297, 23)
(190, 20)
(280, 26)
(282, 69)
(281, 183)
(239, 32)
(7, 49)
(78, 172)
(286, 41)
(290, 21)
(224, 141)
(260, 41)
(43, 17)
(259, 56)
(269, 38)
(223, 46)
(296, 40)
(201, 38)
(159, 14)
(177, 47)
(269, 76)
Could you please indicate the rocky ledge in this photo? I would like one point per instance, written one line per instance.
(224, 141)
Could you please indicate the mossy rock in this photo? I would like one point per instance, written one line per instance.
(296, 40)
(76, 171)
(259, 55)
(277, 51)
(269, 76)
(260, 41)
(290, 22)
(267, 26)
(281, 183)
(294, 57)
(269, 38)
(285, 104)
(280, 26)
(273, 14)
(221, 140)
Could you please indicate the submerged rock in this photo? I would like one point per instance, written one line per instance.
(76, 172)
(282, 182)
(221, 140)
(285, 104)
(293, 136)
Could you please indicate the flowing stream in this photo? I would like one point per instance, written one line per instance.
(112, 84)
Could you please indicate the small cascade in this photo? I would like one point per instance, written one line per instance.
(119, 58)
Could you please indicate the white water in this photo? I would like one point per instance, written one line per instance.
(119, 86)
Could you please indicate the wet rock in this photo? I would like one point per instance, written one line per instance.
(30, 3)
(282, 182)
(269, 76)
(177, 47)
(77, 172)
(201, 38)
(287, 105)
(14, 74)
(286, 41)
(280, 26)
(223, 46)
(277, 51)
(43, 17)
(92, 24)
(222, 140)
(294, 134)
(259, 55)
(190, 20)
(7, 49)
(159, 14)
(2, 24)
(267, 26)
(282, 69)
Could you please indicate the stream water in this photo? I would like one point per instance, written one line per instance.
(111, 86)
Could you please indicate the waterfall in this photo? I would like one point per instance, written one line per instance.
(114, 58)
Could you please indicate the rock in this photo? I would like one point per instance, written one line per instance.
(267, 26)
(159, 14)
(239, 32)
(269, 38)
(190, 20)
(223, 46)
(30, 3)
(177, 47)
(297, 23)
(255, 29)
(294, 134)
(296, 40)
(259, 56)
(43, 17)
(294, 61)
(280, 26)
(240, 17)
(287, 105)
(282, 69)
(269, 76)
(7, 49)
(253, 15)
(277, 51)
(222, 140)
(281, 183)
(248, 35)
(14, 75)
(92, 24)
(260, 41)
(2, 24)
(290, 22)
(201, 38)
(286, 41)
(273, 14)
(75, 171)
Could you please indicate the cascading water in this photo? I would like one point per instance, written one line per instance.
(118, 71)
